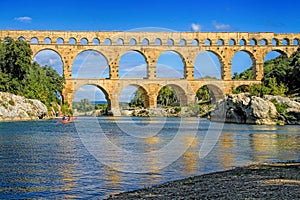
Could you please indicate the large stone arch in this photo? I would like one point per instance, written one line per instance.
(142, 88)
(100, 87)
(181, 93)
(218, 56)
(217, 92)
(179, 54)
(92, 50)
(35, 53)
(123, 53)
(252, 58)
(280, 51)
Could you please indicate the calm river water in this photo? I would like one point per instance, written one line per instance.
(97, 157)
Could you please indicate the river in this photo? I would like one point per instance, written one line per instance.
(98, 157)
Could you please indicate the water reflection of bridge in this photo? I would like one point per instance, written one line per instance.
(112, 45)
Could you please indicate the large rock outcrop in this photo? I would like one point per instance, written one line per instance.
(269, 110)
(13, 107)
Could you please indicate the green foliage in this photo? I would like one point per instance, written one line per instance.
(85, 106)
(66, 110)
(18, 75)
(138, 100)
(281, 77)
(167, 97)
(11, 102)
(203, 94)
(245, 75)
(282, 109)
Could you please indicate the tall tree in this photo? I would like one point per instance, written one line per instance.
(19, 75)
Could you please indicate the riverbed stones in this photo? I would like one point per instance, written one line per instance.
(13, 107)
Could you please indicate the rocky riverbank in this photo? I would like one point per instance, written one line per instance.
(267, 110)
(262, 181)
(234, 108)
(13, 107)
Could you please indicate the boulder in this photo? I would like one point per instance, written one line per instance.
(13, 107)
(244, 108)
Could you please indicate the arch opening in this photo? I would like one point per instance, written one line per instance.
(207, 65)
(91, 100)
(96, 41)
(209, 94)
(253, 42)
(241, 89)
(263, 42)
(120, 41)
(271, 55)
(220, 42)
(72, 41)
(243, 42)
(242, 65)
(132, 42)
(157, 42)
(285, 42)
(171, 95)
(60, 41)
(170, 42)
(90, 64)
(132, 97)
(107, 42)
(51, 58)
(132, 64)
(231, 42)
(207, 42)
(182, 42)
(296, 42)
(22, 39)
(34, 40)
(170, 65)
(145, 42)
(47, 41)
(84, 41)
(195, 42)
(275, 42)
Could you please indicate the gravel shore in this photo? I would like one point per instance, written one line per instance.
(262, 181)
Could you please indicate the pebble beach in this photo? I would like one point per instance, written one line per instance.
(257, 181)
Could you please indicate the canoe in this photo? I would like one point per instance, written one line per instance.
(66, 121)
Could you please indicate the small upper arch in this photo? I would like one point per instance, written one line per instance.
(47, 40)
(182, 42)
(243, 42)
(253, 42)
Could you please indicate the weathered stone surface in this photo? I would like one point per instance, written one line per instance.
(13, 107)
(244, 108)
(191, 46)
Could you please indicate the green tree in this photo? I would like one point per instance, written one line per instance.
(19, 75)
(203, 94)
(138, 99)
(167, 96)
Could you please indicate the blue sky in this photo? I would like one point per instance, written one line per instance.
(127, 15)
(218, 15)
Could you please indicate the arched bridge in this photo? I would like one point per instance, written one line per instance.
(68, 44)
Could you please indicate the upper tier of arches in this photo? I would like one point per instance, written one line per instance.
(155, 38)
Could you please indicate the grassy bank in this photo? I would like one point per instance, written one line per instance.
(262, 181)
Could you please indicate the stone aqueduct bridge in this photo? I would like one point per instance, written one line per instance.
(112, 45)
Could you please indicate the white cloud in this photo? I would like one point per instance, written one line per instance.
(196, 27)
(24, 19)
(220, 26)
